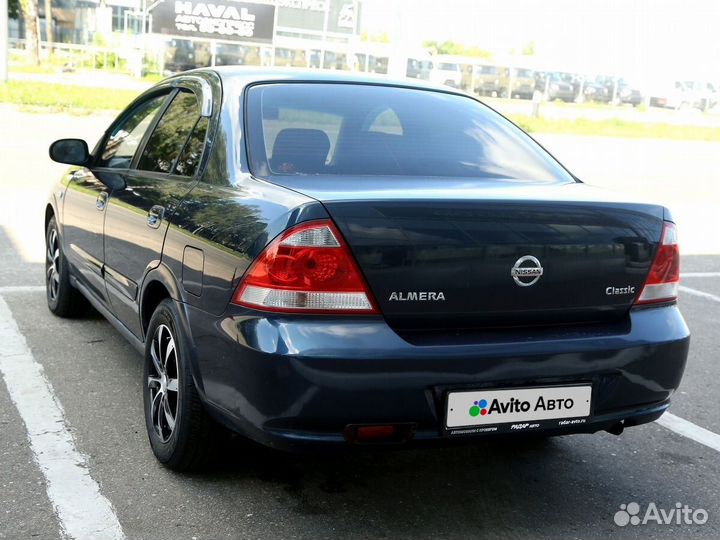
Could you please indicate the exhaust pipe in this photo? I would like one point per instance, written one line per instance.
(617, 428)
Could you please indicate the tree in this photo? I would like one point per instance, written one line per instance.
(457, 49)
(48, 26)
(375, 38)
(30, 14)
(14, 9)
(529, 49)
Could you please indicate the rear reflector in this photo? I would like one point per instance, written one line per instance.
(309, 269)
(374, 433)
(379, 433)
(663, 279)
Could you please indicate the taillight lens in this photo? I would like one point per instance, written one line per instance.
(663, 280)
(309, 269)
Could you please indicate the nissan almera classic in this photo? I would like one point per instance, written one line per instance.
(316, 259)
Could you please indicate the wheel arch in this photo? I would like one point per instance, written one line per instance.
(49, 213)
(52, 211)
(159, 284)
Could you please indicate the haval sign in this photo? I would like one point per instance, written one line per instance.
(229, 20)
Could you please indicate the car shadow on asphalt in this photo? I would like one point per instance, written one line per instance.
(460, 490)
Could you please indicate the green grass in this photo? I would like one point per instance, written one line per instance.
(44, 97)
(152, 78)
(614, 127)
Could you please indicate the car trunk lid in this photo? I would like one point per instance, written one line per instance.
(497, 254)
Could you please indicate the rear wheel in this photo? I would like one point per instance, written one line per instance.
(63, 299)
(178, 426)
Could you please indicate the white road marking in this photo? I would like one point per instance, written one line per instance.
(83, 512)
(691, 431)
(701, 294)
(699, 274)
(22, 289)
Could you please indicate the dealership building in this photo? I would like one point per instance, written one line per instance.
(184, 34)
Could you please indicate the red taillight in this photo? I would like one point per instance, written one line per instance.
(663, 280)
(308, 268)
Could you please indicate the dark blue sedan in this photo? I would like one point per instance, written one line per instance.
(315, 259)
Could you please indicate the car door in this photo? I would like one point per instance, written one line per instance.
(89, 189)
(137, 216)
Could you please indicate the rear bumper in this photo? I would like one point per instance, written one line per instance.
(296, 383)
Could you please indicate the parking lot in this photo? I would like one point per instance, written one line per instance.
(568, 487)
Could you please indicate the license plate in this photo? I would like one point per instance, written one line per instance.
(536, 404)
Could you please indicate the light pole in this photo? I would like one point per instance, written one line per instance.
(3, 40)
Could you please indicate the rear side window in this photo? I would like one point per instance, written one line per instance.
(168, 139)
(298, 129)
(189, 159)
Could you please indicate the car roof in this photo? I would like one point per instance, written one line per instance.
(240, 76)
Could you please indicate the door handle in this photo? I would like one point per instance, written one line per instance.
(101, 200)
(155, 216)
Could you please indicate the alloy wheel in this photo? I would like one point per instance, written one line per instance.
(163, 383)
(52, 265)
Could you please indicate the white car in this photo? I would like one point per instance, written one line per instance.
(447, 73)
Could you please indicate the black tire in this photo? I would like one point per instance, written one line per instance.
(63, 299)
(186, 445)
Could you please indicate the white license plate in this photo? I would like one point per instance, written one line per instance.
(484, 407)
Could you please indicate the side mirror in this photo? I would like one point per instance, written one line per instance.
(70, 151)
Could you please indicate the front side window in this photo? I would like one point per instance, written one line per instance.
(168, 139)
(300, 129)
(125, 138)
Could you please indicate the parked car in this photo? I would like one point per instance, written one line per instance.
(711, 99)
(520, 82)
(419, 68)
(293, 263)
(599, 89)
(671, 96)
(180, 55)
(227, 54)
(487, 80)
(447, 73)
(556, 88)
(627, 93)
(700, 95)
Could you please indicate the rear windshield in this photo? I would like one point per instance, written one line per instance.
(297, 129)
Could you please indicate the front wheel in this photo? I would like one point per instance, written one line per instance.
(179, 428)
(63, 299)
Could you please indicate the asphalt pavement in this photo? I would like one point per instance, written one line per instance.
(565, 487)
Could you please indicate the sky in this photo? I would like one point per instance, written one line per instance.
(650, 41)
